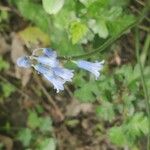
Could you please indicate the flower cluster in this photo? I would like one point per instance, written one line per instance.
(45, 62)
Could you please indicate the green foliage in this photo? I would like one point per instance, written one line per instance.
(86, 92)
(77, 31)
(25, 136)
(4, 65)
(72, 26)
(47, 144)
(52, 6)
(44, 124)
(8, 89)
(38, 134)
(127, 133)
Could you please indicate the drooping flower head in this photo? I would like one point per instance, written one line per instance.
(94, 68)
(46, 63)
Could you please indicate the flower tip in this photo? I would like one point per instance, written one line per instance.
(23, 61)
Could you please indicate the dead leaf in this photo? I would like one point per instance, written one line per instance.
(76, 107)
(33, 35)
(17, 50)
(4, 46)
(7, 141)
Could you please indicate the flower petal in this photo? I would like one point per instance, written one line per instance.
(57, 82)
(94, 68)
(52, 62)
(64, 73)
(24, 61)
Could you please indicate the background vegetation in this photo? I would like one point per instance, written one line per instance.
(111, 113)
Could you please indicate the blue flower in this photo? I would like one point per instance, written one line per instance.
(45, 56)
(24, 61)
(44, 52)
(57, 75)
(63, 73)
(94, 68)
(57, 82)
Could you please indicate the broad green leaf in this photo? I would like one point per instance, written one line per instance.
(52, 6)
(47, 144)
(77, 31)
(99, 27)
(25, 136)
(29, 10)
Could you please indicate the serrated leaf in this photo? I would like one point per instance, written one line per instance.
(52, 6)
(117, 136)
(106, 111)
(46, 124)
(33, 120)
(86, 92)
(77, 31)
(25, 136)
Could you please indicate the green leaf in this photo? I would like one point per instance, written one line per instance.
(29, 10)
(47, 144)
(77, 31)
(106, 111)
(87, 91)
(4, 65)
(33, 120)
(25, 136)
(46, 124)
(99, 27)
(8, 89)
(52, 6)
(117, 136)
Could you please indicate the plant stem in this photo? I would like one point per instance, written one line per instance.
(137, 47)
(112, 39)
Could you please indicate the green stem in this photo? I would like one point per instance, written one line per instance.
(137, 46)
(110, 40)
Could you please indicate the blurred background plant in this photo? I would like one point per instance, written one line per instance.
(109, 113)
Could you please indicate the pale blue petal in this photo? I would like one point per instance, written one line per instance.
(43, 69)
(49, 52)
(57, 82)
(64, 73)
(52, 62)
(94, 68)
(24, 61)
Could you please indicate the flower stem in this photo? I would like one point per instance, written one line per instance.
(137, 47)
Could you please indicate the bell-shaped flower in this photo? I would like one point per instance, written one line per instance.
(57, 76)
(57, 82)
(45, 56)
(94, 68)
(64, 73)
(24, 61)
